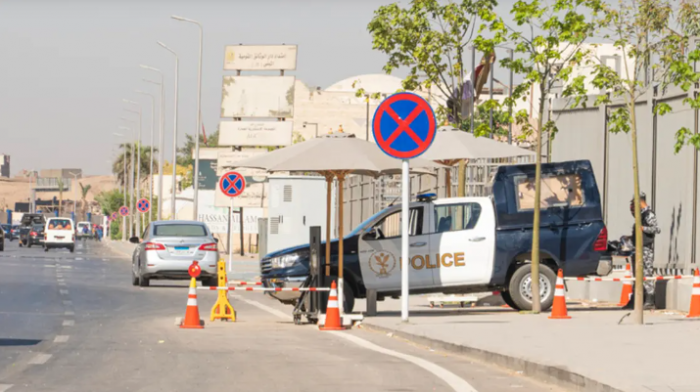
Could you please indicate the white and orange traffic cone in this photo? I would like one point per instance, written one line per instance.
(332, 322)
(192, 313)
(695, 297)
(559, 305)
(626, 293)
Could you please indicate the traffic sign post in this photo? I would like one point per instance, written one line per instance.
(124, 211)
(404, 127)
(143, 205)
(232, 184)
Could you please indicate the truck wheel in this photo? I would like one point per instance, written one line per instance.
(348, 298)
(508, 300)
(519, 287)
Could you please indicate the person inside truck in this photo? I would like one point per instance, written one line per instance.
(650, 228)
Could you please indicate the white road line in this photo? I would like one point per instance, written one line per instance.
(5, 387)
(263, 307)
(60, 339)
(63, 292)
(78, 258)
(59, 275)
(68, 302)
(61, 283)
(68, 323)
(69, 313)
(39, 359)
(451, 379)
(454, 381)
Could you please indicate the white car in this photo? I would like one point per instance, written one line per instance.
(59, 233)
(79, 232)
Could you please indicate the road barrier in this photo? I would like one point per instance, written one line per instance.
(695, 297)
(593, 279)
(332, 322)
(241, 283)
(222, 309)
(264, 288)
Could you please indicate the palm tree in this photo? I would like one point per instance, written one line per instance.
(84, 191)
(59, 182)
(125, 159)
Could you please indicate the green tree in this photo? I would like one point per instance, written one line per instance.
(84, 189)
(545, 56)
(109, 202)
(124, 158)
(642, 31)
(185, 153)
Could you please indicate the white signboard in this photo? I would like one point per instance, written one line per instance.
(254, 195)
(226, 161)
(260, 57)
(217, 219)
(255, 133)
(257, 96)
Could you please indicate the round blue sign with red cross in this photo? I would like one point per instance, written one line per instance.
(114, 215)
(232, 184)
(124, 211)
(143, 205)
(404, 125)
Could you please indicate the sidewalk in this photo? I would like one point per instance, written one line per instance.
(590, 352)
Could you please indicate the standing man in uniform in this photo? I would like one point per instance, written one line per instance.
(650, 228)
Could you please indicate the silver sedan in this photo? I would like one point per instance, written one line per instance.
(168, 248)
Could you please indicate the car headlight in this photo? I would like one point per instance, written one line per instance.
(289, 260)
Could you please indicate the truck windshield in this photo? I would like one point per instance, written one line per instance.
(367, 222)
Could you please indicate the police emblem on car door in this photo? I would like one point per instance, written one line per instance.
(380, 252)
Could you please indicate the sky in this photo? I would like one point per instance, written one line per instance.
(66, 66)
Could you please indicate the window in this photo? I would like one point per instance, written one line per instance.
(455, 217)
(60, 224)
(390, 225)
(556, 191)
(176, 230)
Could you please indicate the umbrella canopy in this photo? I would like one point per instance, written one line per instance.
(333, 154)
(453, 144)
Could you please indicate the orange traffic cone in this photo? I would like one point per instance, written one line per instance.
(192, 313)
(695, 297)
(332, 312)
(559, 306)
(626, 293)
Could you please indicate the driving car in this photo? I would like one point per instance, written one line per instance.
(79, 230)
(29, 220)
(14, 232)
(2, 240)
(59, 233)
(166, 251)
(7, 230)
(36, 236)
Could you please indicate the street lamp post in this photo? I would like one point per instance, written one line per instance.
(125, 190)
(199, 114)
(150, 167)
(75, 179)
(161, 136)
(138, 158)
(131, 180)
(177, 65)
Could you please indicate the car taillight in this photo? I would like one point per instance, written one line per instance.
(154, 246)
(33, 233)
(211, 247)
(601, 243)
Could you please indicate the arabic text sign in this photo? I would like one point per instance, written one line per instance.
(255, 133)
(260, 57)
(257, 96)
(227, 161)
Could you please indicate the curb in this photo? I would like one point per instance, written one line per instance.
(550, 374)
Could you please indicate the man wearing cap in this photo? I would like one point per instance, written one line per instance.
(650, 228)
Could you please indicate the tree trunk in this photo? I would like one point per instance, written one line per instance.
(638, 314)
(535, 255)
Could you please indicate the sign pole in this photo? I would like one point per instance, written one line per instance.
(404, 239)
(230, 234)
(241, 223)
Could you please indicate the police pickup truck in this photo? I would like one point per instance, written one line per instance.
(469, 244)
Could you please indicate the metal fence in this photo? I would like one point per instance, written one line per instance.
(669, 180)
(364, 196)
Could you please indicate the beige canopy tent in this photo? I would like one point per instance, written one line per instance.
(451, 145)
(335, 155)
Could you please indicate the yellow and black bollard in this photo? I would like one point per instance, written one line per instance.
(222, 309)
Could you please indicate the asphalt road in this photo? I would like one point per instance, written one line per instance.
(73, 322)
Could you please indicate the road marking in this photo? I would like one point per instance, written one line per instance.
(5, 387)
(68, 302)
(69, 313)
(61, 339)
(451, 379)
(78, 258)
(263, 307)
(63, 292)
(68, 323)
(39, 359)
(59, 275)
(61, 283)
